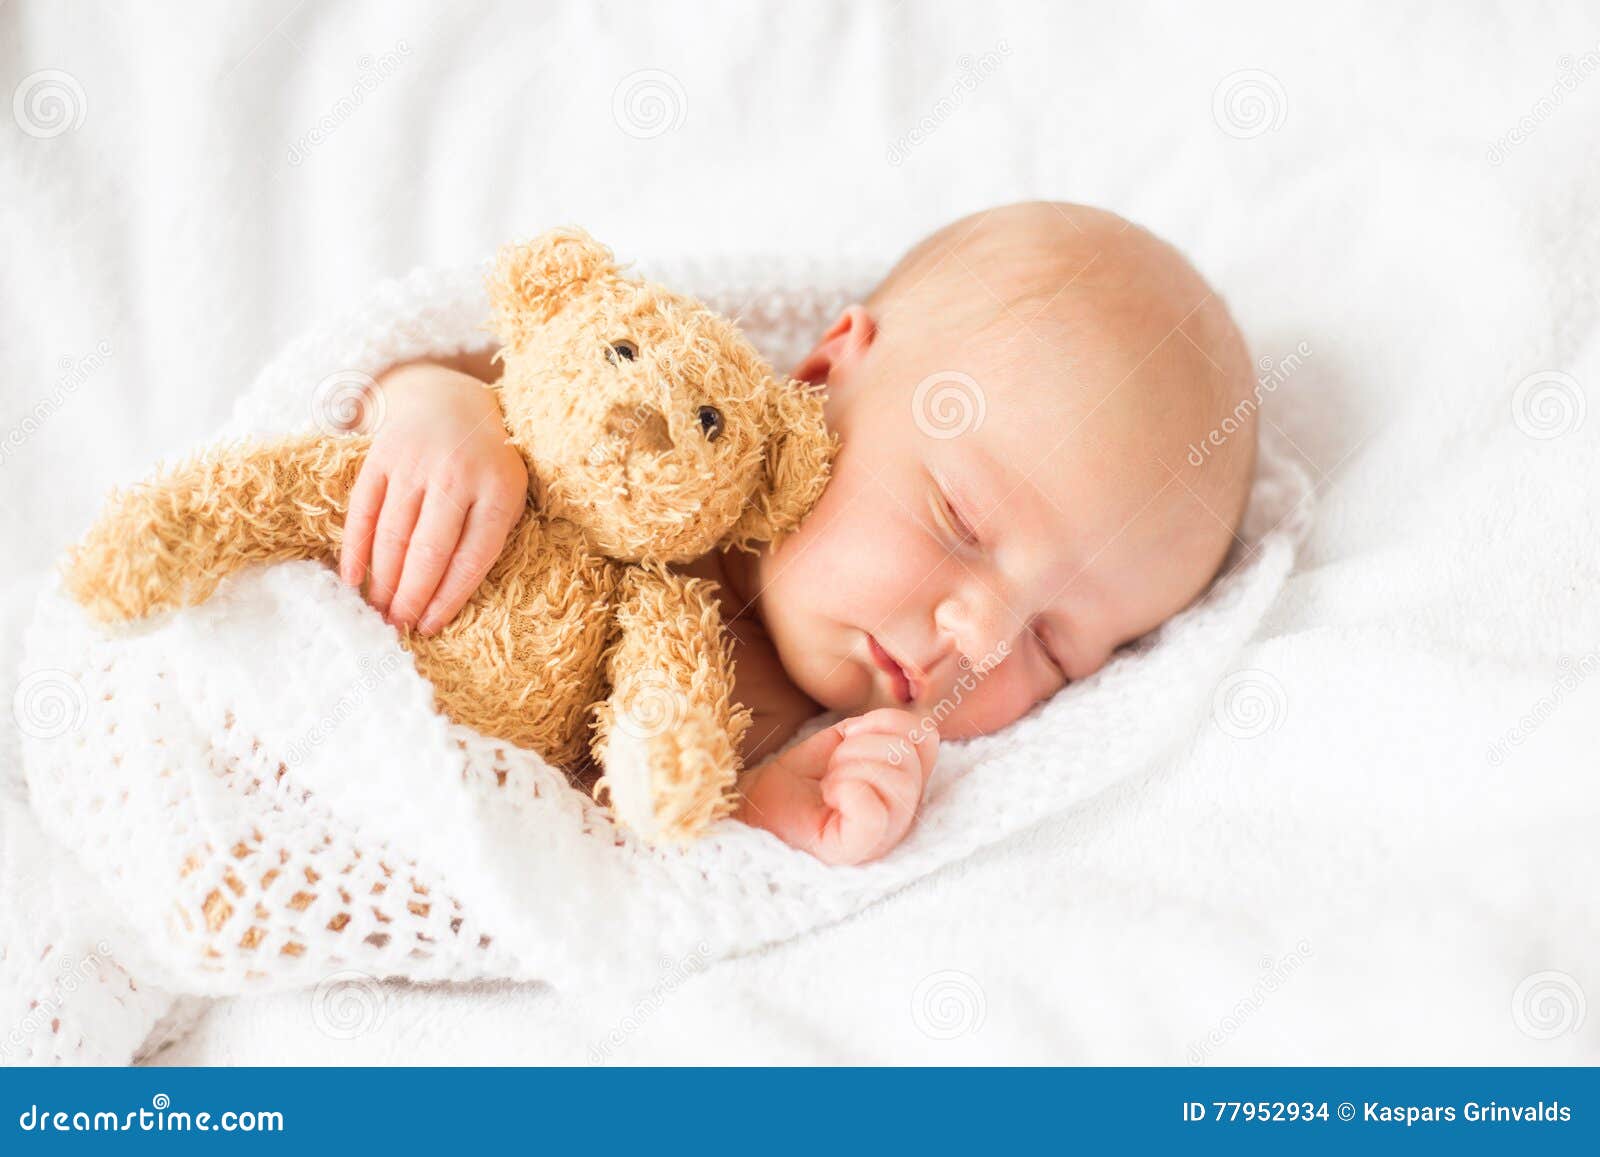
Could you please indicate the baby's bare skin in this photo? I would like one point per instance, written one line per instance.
(1011, 502)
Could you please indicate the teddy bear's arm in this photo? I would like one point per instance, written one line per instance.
(668, 737)
(169, 541)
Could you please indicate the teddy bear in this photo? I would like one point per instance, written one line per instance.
(653, 433)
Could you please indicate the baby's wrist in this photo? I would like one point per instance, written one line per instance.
(428, 385)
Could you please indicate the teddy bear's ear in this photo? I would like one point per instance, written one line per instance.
(532, 281)
(799, 449)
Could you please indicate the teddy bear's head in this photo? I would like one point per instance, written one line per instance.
(646, 418)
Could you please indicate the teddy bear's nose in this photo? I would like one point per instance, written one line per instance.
(643, 427)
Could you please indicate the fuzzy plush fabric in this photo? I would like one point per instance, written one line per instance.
(259, 796)
(653, 433)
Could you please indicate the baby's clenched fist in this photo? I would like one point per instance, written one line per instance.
(848, 793)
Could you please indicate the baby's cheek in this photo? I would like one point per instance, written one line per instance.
(980, 703)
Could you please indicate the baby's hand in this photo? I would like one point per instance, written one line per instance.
(848, 793)
(435, 499)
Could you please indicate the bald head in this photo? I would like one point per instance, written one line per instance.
(1138, 337)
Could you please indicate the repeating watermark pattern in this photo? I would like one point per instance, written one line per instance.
(1249, 703)
(348, 402)
(348, 1003)
(1570, 73)
(74, 373)
(1271, 374)
(44, 1013)
(1573, 673)
(649, 103)
(674, 974)
(48, 103)
(1549, 404)
(971, 72)
(1275, 972)
(948, 404)
(971, 675)
(948, 1004)
(655, 706)
(1249, 103)
(49, 704)
(1549, 1004)
(373, 672)
(371, 73)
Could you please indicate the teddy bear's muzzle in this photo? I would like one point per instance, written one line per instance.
(641, 427)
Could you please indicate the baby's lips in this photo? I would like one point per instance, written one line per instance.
(902, 681)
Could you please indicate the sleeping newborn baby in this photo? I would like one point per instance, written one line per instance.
(1012, 500)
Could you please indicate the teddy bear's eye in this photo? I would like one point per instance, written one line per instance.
(710, 422)
(621, 351)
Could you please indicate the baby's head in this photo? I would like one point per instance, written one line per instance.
(1013, 497)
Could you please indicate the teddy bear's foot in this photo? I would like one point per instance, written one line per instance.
(666, 781)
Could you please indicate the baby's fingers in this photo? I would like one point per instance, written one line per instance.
(390, 542)
(482, 540)
(898, 783)
(907, 740)
(432, 544)
(360, 521)
(858, 824)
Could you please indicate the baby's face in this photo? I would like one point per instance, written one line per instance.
(988, 534)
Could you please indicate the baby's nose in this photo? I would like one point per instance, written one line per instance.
(979, 623)
(643, 427)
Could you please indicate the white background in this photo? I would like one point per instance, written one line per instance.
(184, 222)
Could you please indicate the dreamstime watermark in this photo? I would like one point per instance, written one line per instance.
(348, 402)
(948, 404)
(371, 73)
(971, 675)
(1573, 673)
(48, 103)
(1549, 404)
(1275, 973)
(348, 1003)
(160, 1117)
(74, 373)
(674, 975)
(373, 672)
(1570, 73)
(971, 71)
(1272, 374)
(49, 703)
(44, 1012)
(948, 1004)
(1549, 1004)
(649, 103)
(1248, 103)
(1249, 703)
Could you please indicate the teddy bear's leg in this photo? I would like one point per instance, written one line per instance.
(668, 737)
(169, 541)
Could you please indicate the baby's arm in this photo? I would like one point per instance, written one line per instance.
(848, 793)
(437, 495)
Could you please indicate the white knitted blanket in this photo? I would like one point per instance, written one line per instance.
(257, 793)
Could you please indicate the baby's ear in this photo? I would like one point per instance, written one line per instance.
(799, 449)
(532, 281)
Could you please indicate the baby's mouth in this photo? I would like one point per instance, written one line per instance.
(904, 689)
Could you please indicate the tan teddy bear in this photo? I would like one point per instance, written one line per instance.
(653, 432)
